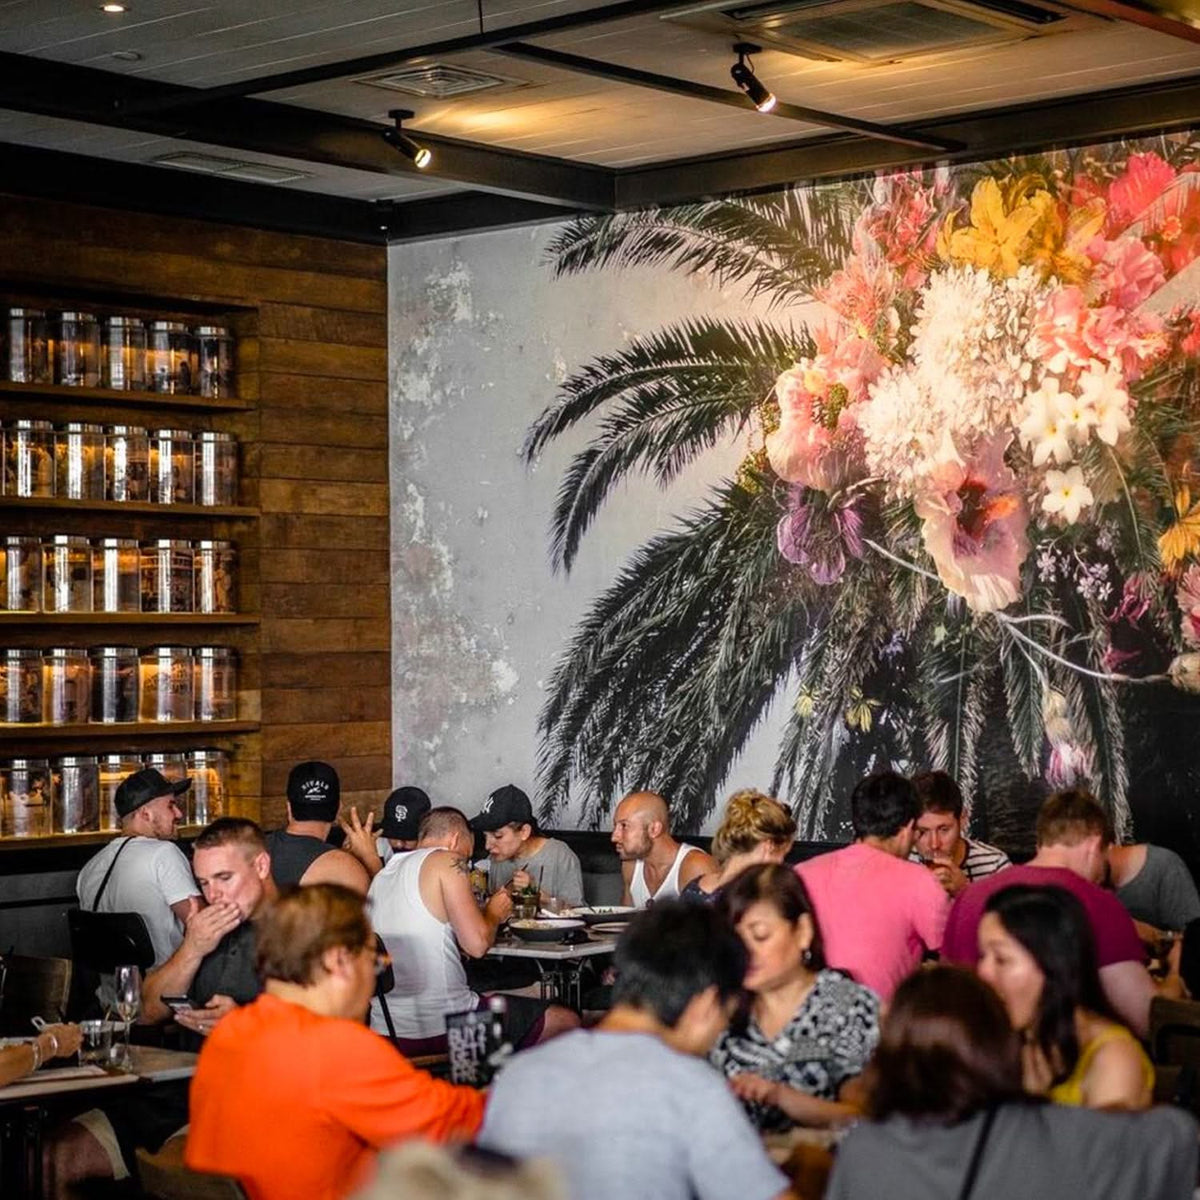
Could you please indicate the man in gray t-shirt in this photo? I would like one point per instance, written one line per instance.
(629, 1109)
(518, 853)
(1154, 885)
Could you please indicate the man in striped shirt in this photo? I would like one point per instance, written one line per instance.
(941, 844)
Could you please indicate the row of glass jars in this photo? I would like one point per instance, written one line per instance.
(79, 349)
(69, 573)
(82, 461)
(67, 685)
(77, 793)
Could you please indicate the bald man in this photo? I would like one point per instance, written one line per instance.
(654, 865)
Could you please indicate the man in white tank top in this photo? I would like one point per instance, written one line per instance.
(654, 866)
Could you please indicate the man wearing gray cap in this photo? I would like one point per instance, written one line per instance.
(145, 871)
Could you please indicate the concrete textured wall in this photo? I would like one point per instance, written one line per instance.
(480, 336)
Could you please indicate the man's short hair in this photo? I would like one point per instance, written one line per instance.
(293, 934)
(443, 821)
(1066, 818)
(232, 831)
(937, 792)
(882, 804)
(673, 952)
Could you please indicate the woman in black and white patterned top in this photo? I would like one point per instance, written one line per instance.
(795, 1053)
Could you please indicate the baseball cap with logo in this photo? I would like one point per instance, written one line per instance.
(402, 813)
(145, 785)
(507, 805)
(314, 792)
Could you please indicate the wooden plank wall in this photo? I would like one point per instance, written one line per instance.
(314, 459)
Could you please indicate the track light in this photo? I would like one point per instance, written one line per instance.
(744, 76)
(420, 156)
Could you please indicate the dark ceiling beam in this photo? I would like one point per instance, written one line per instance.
(464, 212)
(700, 91)
(1018, 129)
(365, 64)
(1150, 17)
(75, 93)
(53, 175)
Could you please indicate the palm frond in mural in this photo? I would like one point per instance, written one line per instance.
(972, 403)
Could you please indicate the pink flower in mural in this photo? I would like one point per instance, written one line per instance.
(1145, 178)
(1126, 273)
(816, 443)
(1069, 765)
(819, 536)
(973, 526)
(903, 223)
(1070, 335)
(862, 293)
(1187, 596)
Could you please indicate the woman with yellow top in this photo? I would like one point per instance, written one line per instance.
(1036, 951)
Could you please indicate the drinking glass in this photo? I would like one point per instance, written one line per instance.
(127, 986)
(95, 1045)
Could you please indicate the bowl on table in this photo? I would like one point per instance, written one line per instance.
(544, 929)
(602, 913)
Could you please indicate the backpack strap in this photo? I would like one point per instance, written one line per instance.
(968, 1183)
(108, 875)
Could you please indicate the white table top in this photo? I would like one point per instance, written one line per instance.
(598, 943)
(150, 1064)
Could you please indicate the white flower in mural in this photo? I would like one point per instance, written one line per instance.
(1067, 495)
(1104, 393)
(1045, 424)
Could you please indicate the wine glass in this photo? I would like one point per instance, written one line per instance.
(127, 985)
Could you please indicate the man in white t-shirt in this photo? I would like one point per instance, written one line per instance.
(145, 871)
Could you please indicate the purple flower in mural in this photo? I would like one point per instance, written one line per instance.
(818, 535)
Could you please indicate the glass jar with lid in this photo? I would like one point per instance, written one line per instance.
(116, 575)
(114, 684)
(29, 459)
(216, 684)
(20, 687)
(75, 794)
(171, 765)
(208, 797)
(170, 357)
(114, 769)
(21, 574)
(216, 468)
(79, 461)
(66, 686)
(28, 342)
(215, 346)
(168, 567)
(76, 337)
(25, 797)
(126, 462)
(123, 358)
(67, 574)
(167, 684)
(216, 564)
(172, 467)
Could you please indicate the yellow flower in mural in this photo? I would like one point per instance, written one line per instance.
(998, 236)
(1059, 239)
(1182, 536)
(860, 711)
(805, 703)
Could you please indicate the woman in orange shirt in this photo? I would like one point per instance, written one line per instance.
(293, 1095)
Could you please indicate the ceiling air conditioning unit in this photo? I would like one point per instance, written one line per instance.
(883, 31)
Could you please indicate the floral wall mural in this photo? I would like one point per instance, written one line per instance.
(967, 529)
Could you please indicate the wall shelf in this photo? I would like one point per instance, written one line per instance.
(129, 730)
(65, 841)
(25, 620)
(138, 508)
(166, 401)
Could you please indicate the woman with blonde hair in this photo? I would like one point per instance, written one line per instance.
(754, 830)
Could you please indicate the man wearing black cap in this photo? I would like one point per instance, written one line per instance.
(517, 853)
(402, 813)
(145, 871)
(299, 853)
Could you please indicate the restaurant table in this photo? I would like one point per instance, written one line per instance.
(559, 964)
(26, 1104)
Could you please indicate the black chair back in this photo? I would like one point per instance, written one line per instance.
(101, 942)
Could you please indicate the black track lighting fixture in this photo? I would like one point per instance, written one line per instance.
(743, 75)
(420, 156)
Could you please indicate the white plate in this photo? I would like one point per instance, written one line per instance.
(613, 927)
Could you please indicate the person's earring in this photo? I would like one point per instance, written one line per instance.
(806, 956)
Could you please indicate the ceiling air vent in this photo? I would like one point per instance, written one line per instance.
(439, 81)
(230, 168)
(879, 31)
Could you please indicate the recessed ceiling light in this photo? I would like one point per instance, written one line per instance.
(127, 55)
(112, 8)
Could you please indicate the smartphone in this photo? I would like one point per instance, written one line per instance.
(178, 1003)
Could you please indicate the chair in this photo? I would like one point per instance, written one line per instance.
(34, 987)
(1175, 1051)
(101, 942)
(165, 1179)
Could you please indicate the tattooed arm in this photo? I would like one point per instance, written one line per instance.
(474, 930)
